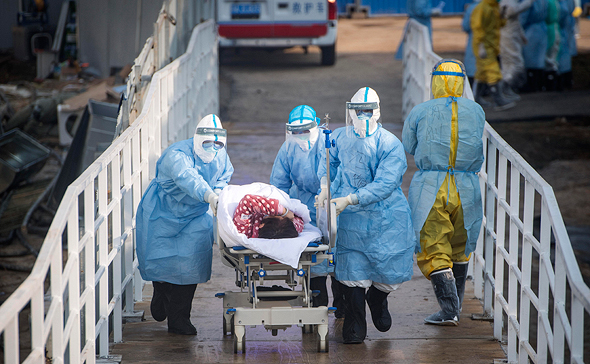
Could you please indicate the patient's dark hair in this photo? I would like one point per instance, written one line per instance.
(276, 227)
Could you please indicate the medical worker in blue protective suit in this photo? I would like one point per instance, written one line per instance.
(174, 223)
(421, 11)
(567, 49)
(535, 30)
(375, 238)
(469, 58)
(295, 172)
(444, 135)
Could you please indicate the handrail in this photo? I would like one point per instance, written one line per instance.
(74, 298)
(515, 197)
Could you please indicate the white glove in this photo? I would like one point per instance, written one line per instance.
(343, 202)
(482, 51)
(217, 191)
(321, 198)
(436, 11)
(212, 199)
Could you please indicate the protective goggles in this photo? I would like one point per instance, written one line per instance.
(301, 129)
(362, 106)
(215, 144)
(366, 112)
(213, 132)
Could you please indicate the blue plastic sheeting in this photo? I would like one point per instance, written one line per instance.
(398, 7)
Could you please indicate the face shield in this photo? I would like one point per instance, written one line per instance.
(209, 138)
(363, 113)
(448, 79)
(302, 127)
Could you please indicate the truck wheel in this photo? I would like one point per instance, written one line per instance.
(328, 55)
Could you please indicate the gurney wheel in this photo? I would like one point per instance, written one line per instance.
(306, 329)
(239, 346)
(323, 346)
(228, 328)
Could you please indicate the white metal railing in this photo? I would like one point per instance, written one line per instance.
(72, 299)
(538, 308)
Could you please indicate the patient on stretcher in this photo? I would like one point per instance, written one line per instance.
(263, 217)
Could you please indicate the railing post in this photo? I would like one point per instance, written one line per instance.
(115, 222)
(513, 251)
(128, 209)
(543, 330)
(500, 245)
(90, 263)
(103, 283)
(73, 316)
(527, 264)
(489, 242)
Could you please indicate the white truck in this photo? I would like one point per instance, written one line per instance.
(277, 24)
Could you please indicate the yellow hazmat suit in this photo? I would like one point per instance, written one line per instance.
(445, 136)
(443, 236)
(485, 26)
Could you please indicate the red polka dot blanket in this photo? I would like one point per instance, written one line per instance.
(287, 250)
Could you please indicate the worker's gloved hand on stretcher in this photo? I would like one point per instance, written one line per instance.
(321, 198)
(323, 195)
(212, 199)
(343, 202)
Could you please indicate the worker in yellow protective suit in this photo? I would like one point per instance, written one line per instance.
(485, 26)
(445, 136)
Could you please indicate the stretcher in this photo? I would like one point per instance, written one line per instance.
(276, 307)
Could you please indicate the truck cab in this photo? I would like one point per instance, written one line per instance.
(279, 24)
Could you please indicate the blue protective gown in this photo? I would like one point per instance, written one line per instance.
(421, 11)
(174, 229)
(375, 238)
(535, 29)
(430, 121)
(469, 58)
(567, 45)
(295, 172)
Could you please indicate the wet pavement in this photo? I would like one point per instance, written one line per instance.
(408, 341)
(252, 148)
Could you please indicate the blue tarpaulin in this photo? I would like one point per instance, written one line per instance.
(398, 7)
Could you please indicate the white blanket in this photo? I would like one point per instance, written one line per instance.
(287, 250)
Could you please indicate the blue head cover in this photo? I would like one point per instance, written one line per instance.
(302, 127)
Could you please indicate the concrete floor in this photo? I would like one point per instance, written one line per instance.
(253, 149)
(408, 341)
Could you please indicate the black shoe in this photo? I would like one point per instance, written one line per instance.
(377, 301)
(184, 328)
(319, 284)
(159, 301)
(354, 329)
(180, 299)
(338, 300)
(460, 274)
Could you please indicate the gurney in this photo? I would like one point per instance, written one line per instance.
(259, 261)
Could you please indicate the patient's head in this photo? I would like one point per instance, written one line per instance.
(277, 227)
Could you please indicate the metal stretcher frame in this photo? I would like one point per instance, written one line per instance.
(275, 309)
